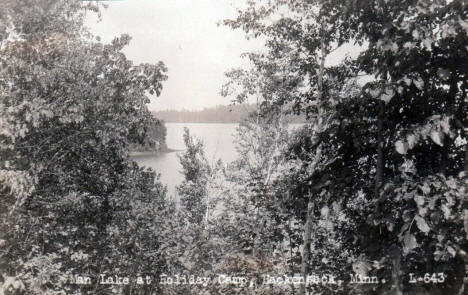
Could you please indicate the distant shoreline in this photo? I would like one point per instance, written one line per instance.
(169, 122)
(221, 114)
(174, 122)
(152, 153)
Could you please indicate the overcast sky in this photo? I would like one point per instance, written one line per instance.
(184, 35)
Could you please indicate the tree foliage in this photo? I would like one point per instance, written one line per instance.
(74, 203)
(370, 142)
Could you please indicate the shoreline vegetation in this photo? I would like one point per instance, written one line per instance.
(155, 140)
(153, 152)
(220, 114)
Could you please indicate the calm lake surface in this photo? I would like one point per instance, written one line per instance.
(218, 142)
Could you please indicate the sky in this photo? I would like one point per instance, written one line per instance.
(185, 35)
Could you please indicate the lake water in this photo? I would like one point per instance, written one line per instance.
(218, 142)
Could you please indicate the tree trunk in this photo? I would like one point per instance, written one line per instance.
(465, 222)
(380, 164)
(396, 273)
(310, 204)
(380, 159)
(306, 245)
(466, 161)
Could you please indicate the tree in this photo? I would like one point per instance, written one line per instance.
(196, 170)
(413, 114)
(422, 101)
(293, 73)
(253, 213)
(197, 245)
(70, 107)
(155, 140)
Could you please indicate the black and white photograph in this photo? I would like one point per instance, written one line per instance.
(270, 147)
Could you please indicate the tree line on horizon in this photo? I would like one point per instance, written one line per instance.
(234, 113)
